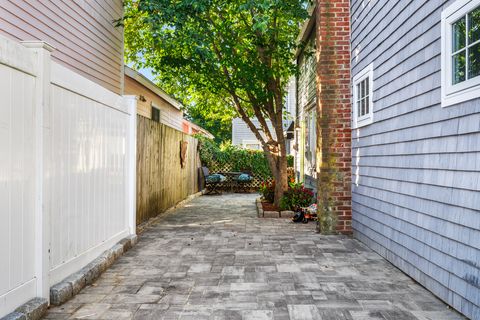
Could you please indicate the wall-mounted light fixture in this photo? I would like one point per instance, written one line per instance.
(142, 98)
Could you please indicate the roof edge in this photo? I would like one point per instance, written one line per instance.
(306, 28)
(137, 76)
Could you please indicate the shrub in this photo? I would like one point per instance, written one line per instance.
(267, 190)
(296, 197)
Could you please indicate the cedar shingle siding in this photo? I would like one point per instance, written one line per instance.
(82, 32)
(416, 196)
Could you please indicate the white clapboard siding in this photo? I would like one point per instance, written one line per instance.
(243, 136)
(17, 172)
(416, 182)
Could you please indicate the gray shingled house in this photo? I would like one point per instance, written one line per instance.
(416, 140)
(305, 162)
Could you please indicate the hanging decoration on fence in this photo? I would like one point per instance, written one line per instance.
(183, 153)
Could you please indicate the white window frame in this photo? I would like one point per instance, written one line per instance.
(470, 88)
(312, 133)
(246, 143)
(361, 121)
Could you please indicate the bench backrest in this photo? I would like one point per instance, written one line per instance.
(205, 172)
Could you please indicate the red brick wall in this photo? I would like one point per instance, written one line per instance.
(334, 104)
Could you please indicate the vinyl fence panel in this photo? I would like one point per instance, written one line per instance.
(18, 70)
(67, 171)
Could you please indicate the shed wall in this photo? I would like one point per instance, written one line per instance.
(169, 115)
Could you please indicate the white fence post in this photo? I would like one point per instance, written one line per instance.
(42, 223)
(131, 102)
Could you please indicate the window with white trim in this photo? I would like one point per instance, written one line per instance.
(461, 52)
(362, 97)
(251, 144)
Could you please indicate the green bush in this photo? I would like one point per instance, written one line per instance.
(267, 190)
(216, 156)
(296, 197)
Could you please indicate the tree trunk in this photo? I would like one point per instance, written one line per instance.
(275, 151)
(278, 166)
(277, 161)
(281, 179)
(281, 185)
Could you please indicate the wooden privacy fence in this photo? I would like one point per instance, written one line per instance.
(161, 180)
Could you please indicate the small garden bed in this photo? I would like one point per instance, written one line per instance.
(268, 210)
(267, 206)
(297, 198)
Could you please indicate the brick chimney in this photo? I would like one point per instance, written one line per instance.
(334, 107)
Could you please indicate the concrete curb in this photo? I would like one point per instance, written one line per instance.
(271, 214)
(32, 310)
(287, 214)
(258, 203)
(70, 286)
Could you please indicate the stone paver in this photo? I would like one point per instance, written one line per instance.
(214, 259)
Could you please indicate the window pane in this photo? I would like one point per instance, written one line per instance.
(367, 104)
(474, 61)
(359, 97)
(363, 108)
(458, 68)
(363, 89)
(474, 25)
(358, 108)
(155, 114)
(458, 35)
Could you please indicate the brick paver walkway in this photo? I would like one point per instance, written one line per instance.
(213, 259)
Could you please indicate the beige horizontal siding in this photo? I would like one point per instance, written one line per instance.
(169, 115)
(82, 32)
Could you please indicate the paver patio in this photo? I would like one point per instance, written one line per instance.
(214, 259)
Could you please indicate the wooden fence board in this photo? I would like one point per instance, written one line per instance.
(161, 181)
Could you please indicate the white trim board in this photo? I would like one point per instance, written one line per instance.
(470, 88)
(366, 119)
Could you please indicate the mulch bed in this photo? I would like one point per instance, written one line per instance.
(267, 206)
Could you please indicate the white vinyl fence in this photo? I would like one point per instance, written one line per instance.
(67, 171)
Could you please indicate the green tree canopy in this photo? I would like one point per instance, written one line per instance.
(238, 52)
(210, 113)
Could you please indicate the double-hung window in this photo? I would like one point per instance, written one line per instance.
(362, 97)
(461, 52)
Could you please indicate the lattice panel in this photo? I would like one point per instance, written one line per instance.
(230, 184)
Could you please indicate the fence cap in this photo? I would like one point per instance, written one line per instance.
(35, 44)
